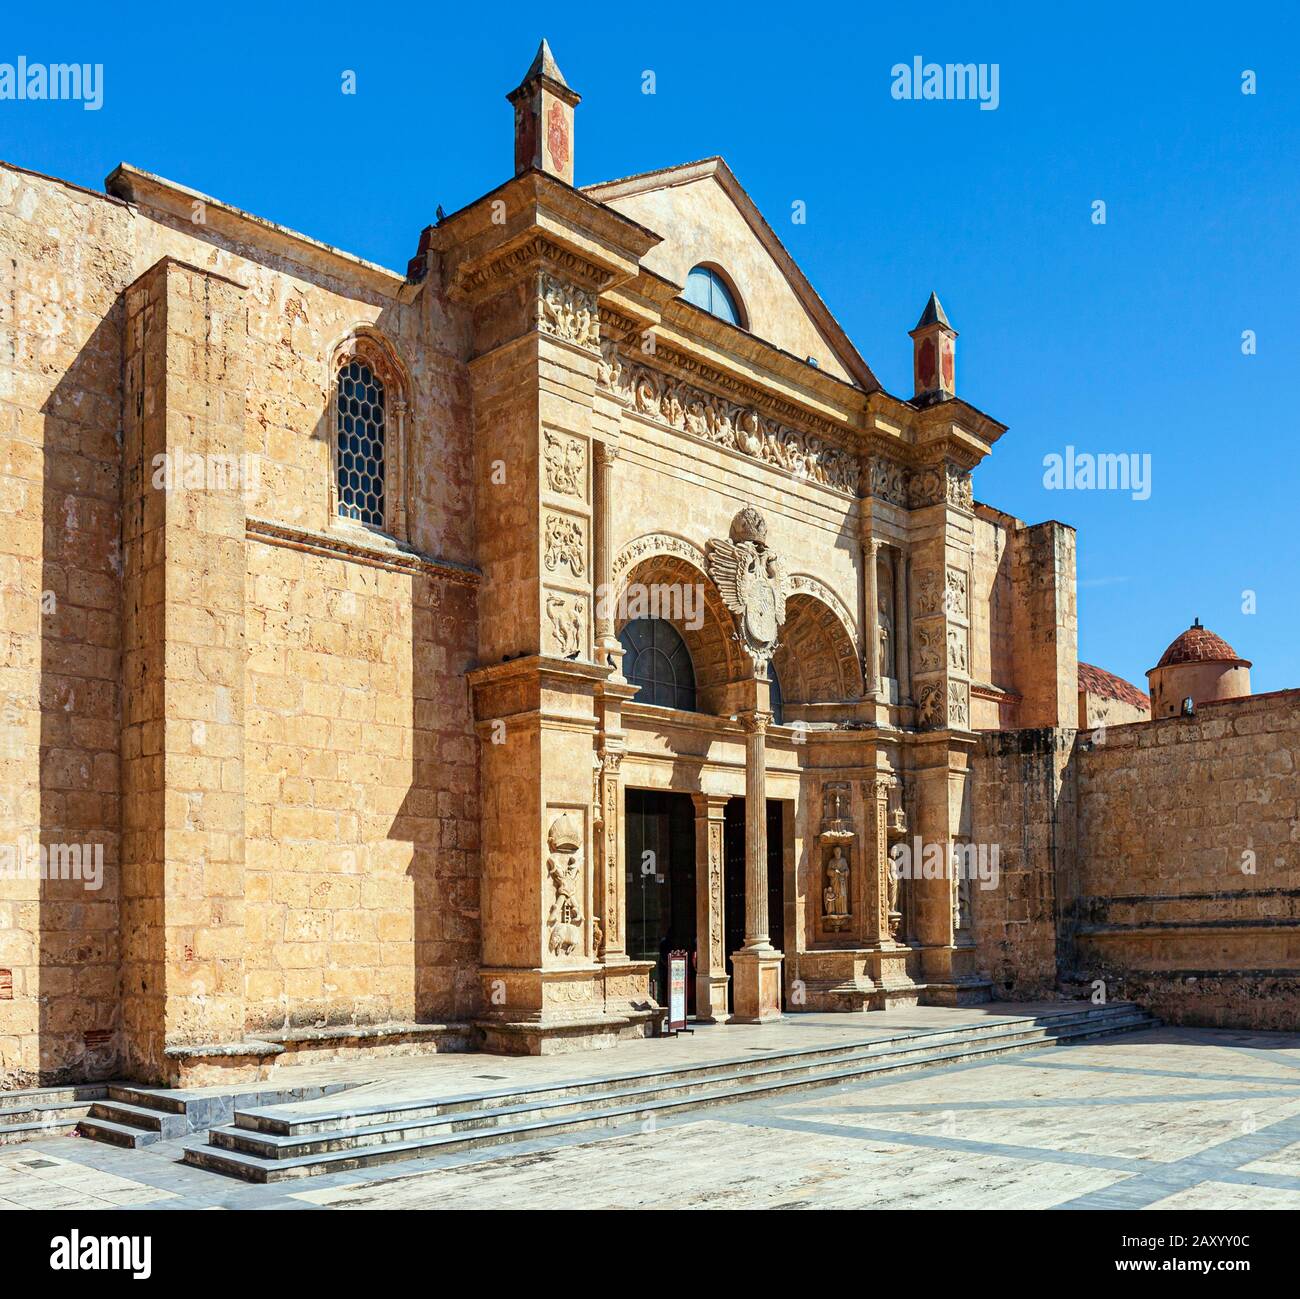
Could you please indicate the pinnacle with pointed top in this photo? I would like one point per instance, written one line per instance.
(934, 343)
(544, 104)
(933, 314)
(545, 65)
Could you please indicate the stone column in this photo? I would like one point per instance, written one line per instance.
(711, 977)
(871, 616)
(607, 646)
(756, 724)
(902, 626)
(757, 965)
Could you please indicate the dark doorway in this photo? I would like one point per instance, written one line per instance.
(660, 836)
(734, 878)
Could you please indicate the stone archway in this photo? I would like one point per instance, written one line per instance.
(665, 577)
(816, 659)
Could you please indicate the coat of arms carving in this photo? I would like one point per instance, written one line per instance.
(752, 582)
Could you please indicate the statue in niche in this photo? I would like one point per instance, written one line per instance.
(886, 634)
(835, 896)
(961, 904)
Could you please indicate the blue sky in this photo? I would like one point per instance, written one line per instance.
(1125, 337)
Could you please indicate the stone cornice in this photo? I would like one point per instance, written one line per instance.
(155, 194)
(372, 550)
(532, 221)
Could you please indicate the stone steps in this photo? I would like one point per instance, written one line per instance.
(140, 1116)
(45, 1111)
(265, 1146)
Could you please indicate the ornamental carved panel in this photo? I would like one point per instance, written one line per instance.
(566, 465)
(567, 311)
(566, 624)
(927, 646)
(932, 705)
(565, 542)
(565, 875)
(716, 957)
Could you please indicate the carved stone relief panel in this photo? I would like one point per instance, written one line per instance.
(565, 544)
(567, 311)
(566, 624)
(716, 955)
(957, 658)
(931, 705)
(566, 878)
(958, 705)
(566, 465)
(927, 646)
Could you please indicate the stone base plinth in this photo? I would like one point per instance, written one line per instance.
(264, 1057)
(960, 992)
(757, 991)
(711, 998)
(560, 1037)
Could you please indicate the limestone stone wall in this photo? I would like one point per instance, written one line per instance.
(362, 811)
(226, 349)
(1024, 629)
(1024, 805)
(1188, 891)
(64, 261)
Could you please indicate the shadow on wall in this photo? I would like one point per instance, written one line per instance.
(77, 958)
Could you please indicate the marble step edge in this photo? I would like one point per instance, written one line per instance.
(269, 1121)
(254, 1168)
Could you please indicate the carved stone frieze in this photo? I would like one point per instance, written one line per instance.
(727, 424)
(944, 483)
(886, 478)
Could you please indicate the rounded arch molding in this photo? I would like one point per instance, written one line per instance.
(369, 345)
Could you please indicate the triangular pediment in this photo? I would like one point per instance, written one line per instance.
(707, 219)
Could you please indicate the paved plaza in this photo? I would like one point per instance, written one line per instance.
(1162, 1118)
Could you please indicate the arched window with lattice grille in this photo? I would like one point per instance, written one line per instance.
(369, 417)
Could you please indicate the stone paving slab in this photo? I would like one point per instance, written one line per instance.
(1160, 1118)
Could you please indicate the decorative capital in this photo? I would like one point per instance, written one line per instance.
(754, 721)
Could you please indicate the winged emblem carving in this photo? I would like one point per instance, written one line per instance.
(752, 582)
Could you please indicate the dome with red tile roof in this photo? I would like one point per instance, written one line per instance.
(1199, 644)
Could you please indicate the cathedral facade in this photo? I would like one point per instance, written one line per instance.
(429, 655)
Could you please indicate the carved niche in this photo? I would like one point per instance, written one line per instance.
(751, 579)
(836, 846)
